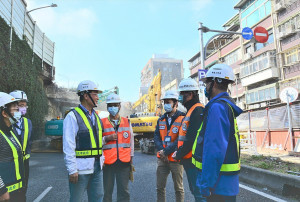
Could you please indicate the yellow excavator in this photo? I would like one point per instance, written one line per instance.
(144, 122)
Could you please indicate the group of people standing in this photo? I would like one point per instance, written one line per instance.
(15, 146)
(204, 142)
(97, 152)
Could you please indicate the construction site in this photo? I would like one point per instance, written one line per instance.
(266, 88)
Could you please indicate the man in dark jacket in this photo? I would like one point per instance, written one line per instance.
(165, 139)
(189, 97)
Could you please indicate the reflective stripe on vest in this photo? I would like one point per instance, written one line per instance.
(14, 187)
(16, 161)
(184, 127)
(224, 167)
(173, 133)
(94, 151)
(25, 140)
(117, 149)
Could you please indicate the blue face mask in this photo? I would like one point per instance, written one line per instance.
(113, 110)
(180, 99)
(168, 107)
(206, 93)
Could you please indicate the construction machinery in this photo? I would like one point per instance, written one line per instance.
(144, 122)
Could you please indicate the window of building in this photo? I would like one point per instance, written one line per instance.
(255, 12)
(232, 57)
(260, 62)
(248, 49)
(261, 95)
(292, 56)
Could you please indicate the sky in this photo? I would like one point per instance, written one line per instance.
(110, 41)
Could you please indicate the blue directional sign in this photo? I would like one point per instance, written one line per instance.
(247, 33)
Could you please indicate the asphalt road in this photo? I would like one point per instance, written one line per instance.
(49, 181)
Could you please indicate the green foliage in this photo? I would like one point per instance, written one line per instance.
(18, 72)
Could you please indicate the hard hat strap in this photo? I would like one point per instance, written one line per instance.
(91, 99)
(10, 115)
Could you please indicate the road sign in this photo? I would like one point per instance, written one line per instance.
(247, 33)
(201, 75)
(261, 34)
(289, 94)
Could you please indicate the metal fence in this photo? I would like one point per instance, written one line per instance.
(15, 14)
(269, 119)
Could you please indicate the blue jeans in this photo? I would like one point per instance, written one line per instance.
(93, 183)
(191, 173)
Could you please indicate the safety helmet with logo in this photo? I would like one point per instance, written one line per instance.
(220, 71)
(170, 94)
(87, 86)
(113, 98)
(6, 99)
(19, 95)
(188, 84)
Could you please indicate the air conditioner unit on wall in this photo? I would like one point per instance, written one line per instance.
(279, 6)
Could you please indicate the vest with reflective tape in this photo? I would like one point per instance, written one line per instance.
(231, 164)
(184, 126)
(120, 148)
(89, 137)
(173, 132)
(17, 184)
(25, 135)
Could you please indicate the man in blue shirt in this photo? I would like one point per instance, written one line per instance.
(216, 150)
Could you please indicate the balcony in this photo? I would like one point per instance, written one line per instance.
(260, 68)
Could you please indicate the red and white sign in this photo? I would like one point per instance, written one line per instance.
(261, 34)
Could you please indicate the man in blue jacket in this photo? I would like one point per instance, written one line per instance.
(216, 150)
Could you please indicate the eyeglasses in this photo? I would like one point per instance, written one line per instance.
(23, 106)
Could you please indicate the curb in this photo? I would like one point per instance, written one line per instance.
(284, 184)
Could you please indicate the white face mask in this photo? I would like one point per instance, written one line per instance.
(17, 116)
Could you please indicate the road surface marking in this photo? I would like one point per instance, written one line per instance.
(42, 195)
(262, 193)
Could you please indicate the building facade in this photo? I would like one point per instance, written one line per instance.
(261, 69)
(171, 69)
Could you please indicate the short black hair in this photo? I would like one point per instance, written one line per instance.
(81, 98)
(223, 85)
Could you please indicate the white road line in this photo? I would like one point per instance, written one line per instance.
(262, 193)
(42, 195)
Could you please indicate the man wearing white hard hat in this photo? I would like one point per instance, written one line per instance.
(11, 156)
(118, 149)
(216, 150)
(189, 97)
(24, 129)
(166, 139)
(82, 145)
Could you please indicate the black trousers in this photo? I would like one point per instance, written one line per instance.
(17, 196)
(221, 198)
(26, 168)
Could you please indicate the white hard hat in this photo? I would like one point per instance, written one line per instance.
(188, 85)
(6, 99)
(113, 98)
(19, 95)
(171, 94)
(222, 71)
(86, 86)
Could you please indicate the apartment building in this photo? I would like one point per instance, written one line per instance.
(261, 69)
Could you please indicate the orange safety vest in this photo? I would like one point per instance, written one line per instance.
(173, 132)
(120, 148)
(184, 127)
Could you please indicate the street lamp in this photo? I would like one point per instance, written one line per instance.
(52, 5)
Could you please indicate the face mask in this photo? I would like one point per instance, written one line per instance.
(17, 116)
(113, 110)
(168, 107)
(206, 93)
(23, 110)
(180, 99)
